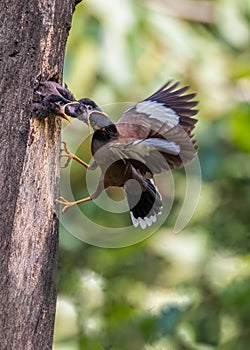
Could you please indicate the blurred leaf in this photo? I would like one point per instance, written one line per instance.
(239, 343)
(207, 326)
(168, 319)
(90, 344)
(240, 126)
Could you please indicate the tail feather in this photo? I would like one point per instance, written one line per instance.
(143, 212)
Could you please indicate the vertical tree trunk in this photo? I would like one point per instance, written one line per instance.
(32, 42)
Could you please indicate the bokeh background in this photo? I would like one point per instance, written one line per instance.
(191, 290)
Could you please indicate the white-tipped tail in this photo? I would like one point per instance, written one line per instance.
(146, 209)
(143, 222)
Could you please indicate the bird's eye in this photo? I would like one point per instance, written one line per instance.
(60, 103)
(89, 107)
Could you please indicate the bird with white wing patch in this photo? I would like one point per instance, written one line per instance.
(153, 136)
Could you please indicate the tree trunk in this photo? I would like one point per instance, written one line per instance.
(32, 42)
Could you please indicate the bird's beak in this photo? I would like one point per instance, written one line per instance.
(91, 130)
(64, 114)
(77, 110)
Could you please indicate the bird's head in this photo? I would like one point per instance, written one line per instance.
(104, 129)
(98, 120)
(59, 105)
(83, 110)
(90, 113)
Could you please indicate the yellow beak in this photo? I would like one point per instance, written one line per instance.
(64, 115)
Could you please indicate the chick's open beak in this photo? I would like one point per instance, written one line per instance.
(65, 108)
(64, 116)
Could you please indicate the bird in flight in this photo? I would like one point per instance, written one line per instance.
(153, 136)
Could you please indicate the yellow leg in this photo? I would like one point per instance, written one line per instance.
(70, 156)
(68, 204)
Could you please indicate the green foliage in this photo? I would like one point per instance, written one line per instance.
(170, 292)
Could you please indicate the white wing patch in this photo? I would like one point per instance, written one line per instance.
(160, 144)
(143, 222)
(153, 183)
(164, 145)
(156, 110)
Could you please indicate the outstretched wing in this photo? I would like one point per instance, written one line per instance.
(150, 155)
(162, 124)
(165, 109)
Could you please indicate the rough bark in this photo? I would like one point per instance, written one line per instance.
(32, 42)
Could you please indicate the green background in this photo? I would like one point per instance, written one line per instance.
(184, 291)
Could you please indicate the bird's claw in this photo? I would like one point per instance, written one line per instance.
(67, 154)
(66, 203)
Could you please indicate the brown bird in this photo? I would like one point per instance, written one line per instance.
(153, 136)
(51, 99)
